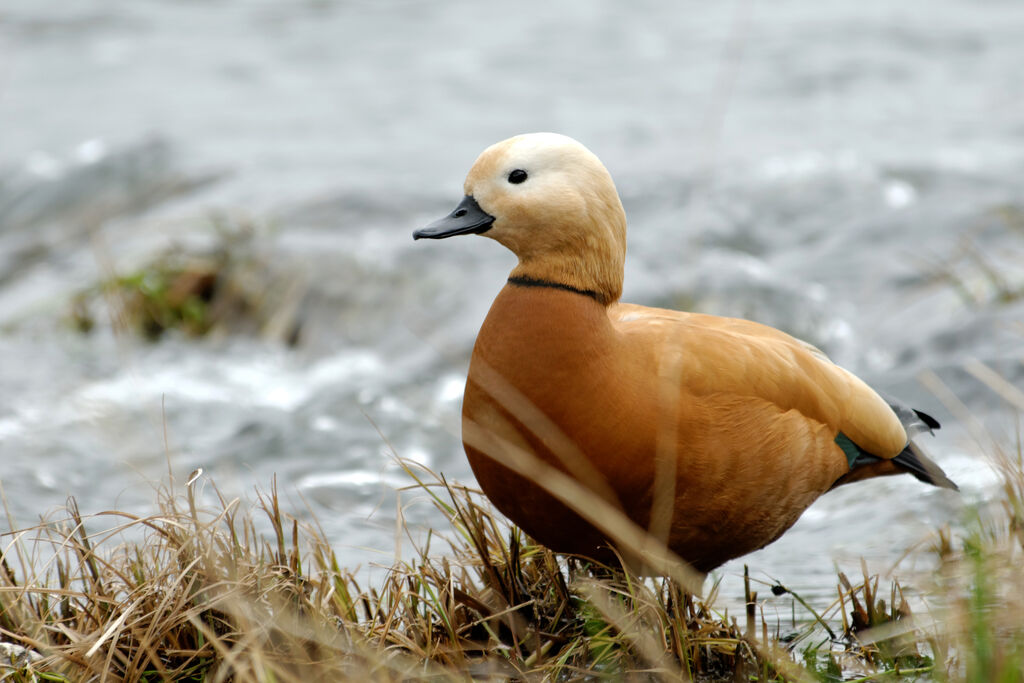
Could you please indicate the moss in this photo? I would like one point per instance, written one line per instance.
(228, 288)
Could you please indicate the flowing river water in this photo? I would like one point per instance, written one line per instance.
(852, 173)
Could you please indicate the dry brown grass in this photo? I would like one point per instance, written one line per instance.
(195, 592)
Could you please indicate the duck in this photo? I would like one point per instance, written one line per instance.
(586, 420)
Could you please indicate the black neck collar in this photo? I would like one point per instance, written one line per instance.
(523, 281)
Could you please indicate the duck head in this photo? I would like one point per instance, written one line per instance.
(552, 202)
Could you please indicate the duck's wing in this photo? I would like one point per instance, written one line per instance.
(741, 356)
(730, 355)
(621, 312)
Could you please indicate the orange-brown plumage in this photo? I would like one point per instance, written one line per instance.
(713, 434)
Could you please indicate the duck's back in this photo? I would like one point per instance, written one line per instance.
(732, 355)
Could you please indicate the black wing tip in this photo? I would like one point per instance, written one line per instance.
(924, 469)
(913, 420)
(927, 419)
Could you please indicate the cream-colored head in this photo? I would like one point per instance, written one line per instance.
(563, 219)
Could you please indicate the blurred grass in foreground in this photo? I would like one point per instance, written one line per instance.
(200, 595)
(203, 597)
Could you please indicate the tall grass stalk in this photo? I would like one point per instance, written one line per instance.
(196, 593)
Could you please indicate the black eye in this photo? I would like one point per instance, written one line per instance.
(517, 176)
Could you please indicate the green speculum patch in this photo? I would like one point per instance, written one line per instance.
(854, 454)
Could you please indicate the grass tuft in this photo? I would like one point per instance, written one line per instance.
(196, 593)
(230, 287)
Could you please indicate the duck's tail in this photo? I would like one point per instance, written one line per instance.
(913, 459)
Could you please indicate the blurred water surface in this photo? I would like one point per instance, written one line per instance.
(809, 165)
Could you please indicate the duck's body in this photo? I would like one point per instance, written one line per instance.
(714, 434)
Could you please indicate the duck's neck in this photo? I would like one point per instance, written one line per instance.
(599, 277)
(527, 281)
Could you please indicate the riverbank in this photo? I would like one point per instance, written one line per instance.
(198, 592)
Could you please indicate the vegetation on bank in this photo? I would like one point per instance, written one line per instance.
(204, 597)
(227, 287)
(198, 594)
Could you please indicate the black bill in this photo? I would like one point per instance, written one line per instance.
(467, 219)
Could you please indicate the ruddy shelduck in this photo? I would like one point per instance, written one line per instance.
(711, 434)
